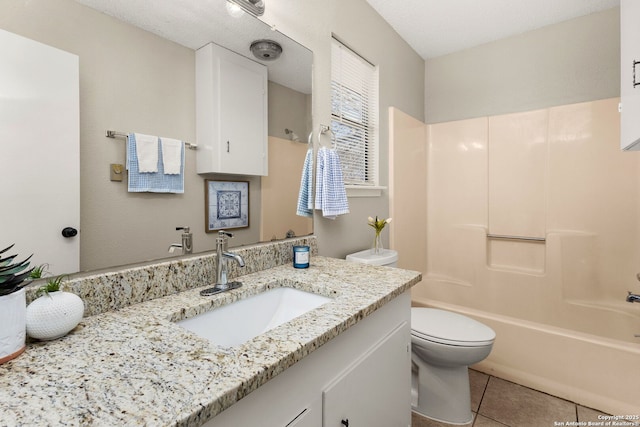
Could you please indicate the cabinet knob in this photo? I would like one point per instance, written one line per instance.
(345, 423)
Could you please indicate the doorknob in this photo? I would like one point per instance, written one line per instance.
(69, 232)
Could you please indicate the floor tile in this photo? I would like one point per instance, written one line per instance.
(478, 382)
(588, 414)
(486, 422)
(518, 406)
(418, 420)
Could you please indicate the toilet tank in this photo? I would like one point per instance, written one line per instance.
(388, 257)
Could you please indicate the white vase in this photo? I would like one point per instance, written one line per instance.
(13, 308)
(53, 315)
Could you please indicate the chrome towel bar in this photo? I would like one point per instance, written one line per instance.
(116, 134)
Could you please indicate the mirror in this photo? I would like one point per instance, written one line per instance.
(132, 81)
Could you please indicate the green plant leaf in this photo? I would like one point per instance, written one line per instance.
(6, 249)
(14, 268)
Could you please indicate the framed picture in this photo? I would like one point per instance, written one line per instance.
(226, 205)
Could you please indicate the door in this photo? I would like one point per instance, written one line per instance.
(39, 152)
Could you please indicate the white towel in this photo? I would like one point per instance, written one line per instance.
(331, 195)
(305, 197)
(171, 155)
(147, 152)
(155, 182)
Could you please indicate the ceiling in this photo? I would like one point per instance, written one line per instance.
(194, 23)
(439, 27)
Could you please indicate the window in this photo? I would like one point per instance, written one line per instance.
(354, 115)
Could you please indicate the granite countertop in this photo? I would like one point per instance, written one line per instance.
(134, 366)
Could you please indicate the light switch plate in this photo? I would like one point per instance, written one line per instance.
(116, 172)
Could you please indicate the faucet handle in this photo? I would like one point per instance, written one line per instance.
(186, 229)
(223, 233)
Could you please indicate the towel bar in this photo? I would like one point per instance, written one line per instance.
(116, 134)
(324, 129)
(525, 238)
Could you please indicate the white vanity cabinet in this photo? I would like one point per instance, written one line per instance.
(231, 113)
(630, 74)
(377, 379)
(360, 378)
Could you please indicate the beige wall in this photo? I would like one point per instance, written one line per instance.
(279, 191)
(289, 109)
(574, 61)
(311, 23)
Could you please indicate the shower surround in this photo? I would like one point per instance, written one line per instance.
(556, 180)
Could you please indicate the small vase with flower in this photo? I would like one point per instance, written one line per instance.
(378, 225)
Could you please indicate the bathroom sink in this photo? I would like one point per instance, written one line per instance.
(240, 321)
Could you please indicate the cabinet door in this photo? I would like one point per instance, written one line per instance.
(376, 389)
(630, 74)
(231, 113)
(243, 133)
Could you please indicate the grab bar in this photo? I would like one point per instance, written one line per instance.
(524, 238)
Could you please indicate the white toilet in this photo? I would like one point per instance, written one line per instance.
(388, 257)
(443, 345)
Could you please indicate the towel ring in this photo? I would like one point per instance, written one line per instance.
(324, 129)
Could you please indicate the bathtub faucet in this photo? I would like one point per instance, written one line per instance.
(633, 297)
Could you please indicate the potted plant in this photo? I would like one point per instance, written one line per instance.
(12, 305)
(55, 313)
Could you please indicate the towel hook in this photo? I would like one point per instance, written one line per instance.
(324, 129)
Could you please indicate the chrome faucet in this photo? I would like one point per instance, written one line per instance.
(633, 297)
(187, 242)
(222, 254)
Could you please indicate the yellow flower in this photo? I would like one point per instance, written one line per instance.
(378, 224)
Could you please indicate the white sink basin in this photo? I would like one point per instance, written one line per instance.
(240, 321)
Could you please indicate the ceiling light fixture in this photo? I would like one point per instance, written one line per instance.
(254, 7)
(266, 50)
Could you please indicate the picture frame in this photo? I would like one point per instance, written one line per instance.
(226, 205)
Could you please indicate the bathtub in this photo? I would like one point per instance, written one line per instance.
(591, 370)
(541, 252)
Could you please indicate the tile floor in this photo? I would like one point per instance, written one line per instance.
(499, 403)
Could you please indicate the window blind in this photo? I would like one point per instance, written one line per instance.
(354, 114)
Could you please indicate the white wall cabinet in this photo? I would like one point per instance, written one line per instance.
(630, 75)
(231, 113)
(361, 377)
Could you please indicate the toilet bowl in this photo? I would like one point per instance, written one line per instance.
(443, 345)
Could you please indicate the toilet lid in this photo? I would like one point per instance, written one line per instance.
(447, 327)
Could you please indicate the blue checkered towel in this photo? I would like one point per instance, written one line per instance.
(156, 182)
(331, 195)
(305, 197)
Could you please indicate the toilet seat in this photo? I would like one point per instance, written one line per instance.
(449, 328)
